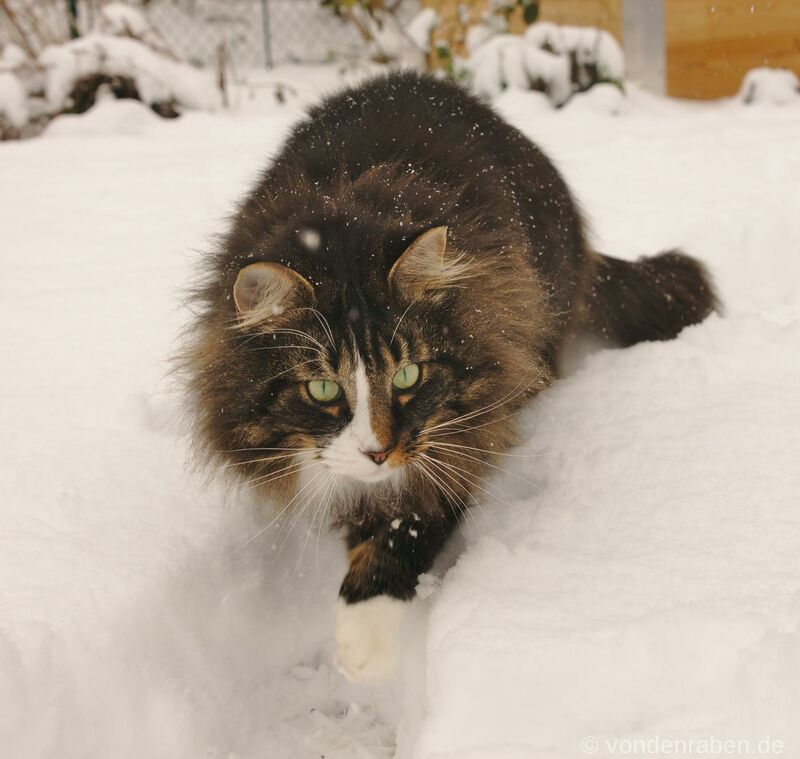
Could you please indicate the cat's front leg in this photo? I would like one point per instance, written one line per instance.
(385, 560)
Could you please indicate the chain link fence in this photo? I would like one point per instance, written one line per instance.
(255, 33)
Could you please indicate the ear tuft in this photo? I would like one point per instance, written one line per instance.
(427, 264)
(266, 289)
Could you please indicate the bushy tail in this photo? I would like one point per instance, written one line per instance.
(653, 298)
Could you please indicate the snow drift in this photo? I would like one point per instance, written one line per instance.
(633, 574)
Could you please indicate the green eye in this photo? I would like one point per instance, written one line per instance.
(407, 377)
(323, 391)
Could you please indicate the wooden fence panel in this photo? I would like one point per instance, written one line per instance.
(711, 44)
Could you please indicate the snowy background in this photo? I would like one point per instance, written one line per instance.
(634, 575)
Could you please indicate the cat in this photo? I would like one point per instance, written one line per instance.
(398, 284)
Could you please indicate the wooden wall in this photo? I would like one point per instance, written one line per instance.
(711, 44)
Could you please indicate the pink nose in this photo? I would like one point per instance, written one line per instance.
(378, 456)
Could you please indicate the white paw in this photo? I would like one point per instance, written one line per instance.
(368, 638)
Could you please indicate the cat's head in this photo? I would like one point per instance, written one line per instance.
(364, 374)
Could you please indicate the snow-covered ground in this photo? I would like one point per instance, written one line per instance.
(635, 576)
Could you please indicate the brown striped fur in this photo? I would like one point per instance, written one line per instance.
(364, 177)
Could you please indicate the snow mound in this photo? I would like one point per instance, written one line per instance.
(158, 79)
(13, 101)
(107, 116)
(602, 98)
(232, 654)
(664, 612)
(766, 86)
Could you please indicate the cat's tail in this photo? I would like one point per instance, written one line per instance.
(653, 298)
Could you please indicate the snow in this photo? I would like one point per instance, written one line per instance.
(634, 577)
(590, 45)
(603, 98)
(157, 78)
(420, 28)
(507, 61)
(123, 20)
(770, 87)
(390, 41)
(13, 100)
(476, 35)
(655, 592)
(543, 54)
(11, 57)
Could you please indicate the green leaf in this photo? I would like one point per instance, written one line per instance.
(530, 13)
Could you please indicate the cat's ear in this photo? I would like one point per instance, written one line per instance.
(427, 264)
(266, 289)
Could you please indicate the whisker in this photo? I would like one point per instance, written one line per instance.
(273, 332)
(467, 511)
(439, 485)
(302, 510)
(449, 465)
(334, 480)
(325, 484)
(280, 331)
(470, 477)
(488, 450)
(459, 430)
(285, 347)
(487, 463)
(264, 460)
(440, 474)
(279, 514)
(296, 333)
(248, 450)
(400, 321)
(265, 479)
(325, 326)
(483, 410)
(479, 411)
(437, 488)
(291, 369)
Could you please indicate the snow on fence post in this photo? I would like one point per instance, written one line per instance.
(645, 49)
(267, 33)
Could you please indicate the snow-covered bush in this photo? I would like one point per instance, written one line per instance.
(124, 53)
(557, 60)
(122, 20)
(104, 59)
(12, 57)
(381, 29)
(770, 87)
(595, 55)
(121, 52)
(508, 60)
(420, 29)
(13, 106)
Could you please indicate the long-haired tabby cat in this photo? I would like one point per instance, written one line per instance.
(398, 284)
